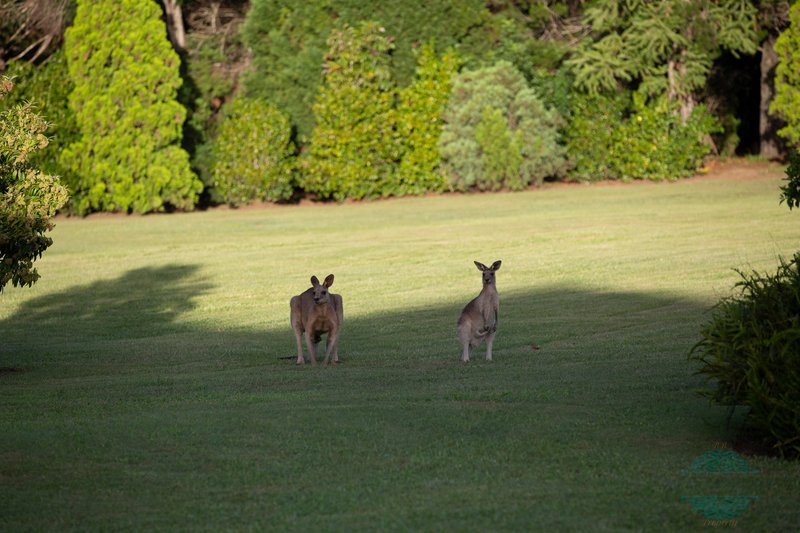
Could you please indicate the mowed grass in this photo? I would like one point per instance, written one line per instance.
(143, 385)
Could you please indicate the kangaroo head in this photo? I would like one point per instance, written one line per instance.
(320, 293)
(488, 272)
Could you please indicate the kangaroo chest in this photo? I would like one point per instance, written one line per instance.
(323, 319)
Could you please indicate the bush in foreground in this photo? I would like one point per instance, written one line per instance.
(28, 198)
(751, 351)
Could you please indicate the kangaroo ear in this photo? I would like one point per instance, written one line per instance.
(329, 280)
(480, 266)
(314, 281)
(496, 265)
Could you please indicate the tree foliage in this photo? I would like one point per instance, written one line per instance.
(126, 77)
(419, 121)
(353, 146)
(253, 154)
(787, 79)
(48, 86)
(28, 198)
(288, 40)
(498, 133)
(790, 191)
(626, 137)
(667, 46)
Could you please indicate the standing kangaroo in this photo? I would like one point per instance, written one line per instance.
(314, 313)
(478, 320)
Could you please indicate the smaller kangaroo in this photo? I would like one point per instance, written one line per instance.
(478, 320)
(314, 313)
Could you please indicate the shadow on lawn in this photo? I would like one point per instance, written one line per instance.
(577, 321)
(144, 302)
(143, 306)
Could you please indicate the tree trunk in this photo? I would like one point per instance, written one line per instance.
(771, 146)
(177, 34)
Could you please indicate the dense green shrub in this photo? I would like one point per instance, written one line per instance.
(253, 154)
(212, 61)
(498, 133)
(126, 77)
(48, 86)
(28, 198)
(354, 148)
(419, 122)
(626, 137)
(787, 79)
(790, 192)
(288, 42)
(751, 351)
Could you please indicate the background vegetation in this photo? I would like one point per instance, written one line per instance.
(29, 198)
(146, 391)
(125, 74)
(683, 79)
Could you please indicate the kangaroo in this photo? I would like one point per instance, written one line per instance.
(314, 313)
(478, 320)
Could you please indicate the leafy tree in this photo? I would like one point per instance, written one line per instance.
(419, 122)
(28, 198)
(666, 46)
(126, 78)
(353, 147)
(48, 86)
(787, 79)
(627, 137)
(288, 40)
(213, 58)
(498, 133)
(790, 192)
(253, 154)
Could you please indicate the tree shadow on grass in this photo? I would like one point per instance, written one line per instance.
(142, 303)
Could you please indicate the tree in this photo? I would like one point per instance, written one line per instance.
(773, 17)
(787, 79)
(174, 16)
(288, 40)
(126, 78)
(353, 146)
(28, 198)
(253, 154)
(498, 133)
(790, 192)
(667, 47)
(48, 85)
(419, 121)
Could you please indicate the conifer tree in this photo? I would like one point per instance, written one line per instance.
(498, 133)
(667, 46)
(126, 80)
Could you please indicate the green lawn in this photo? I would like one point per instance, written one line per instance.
(143, 388)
